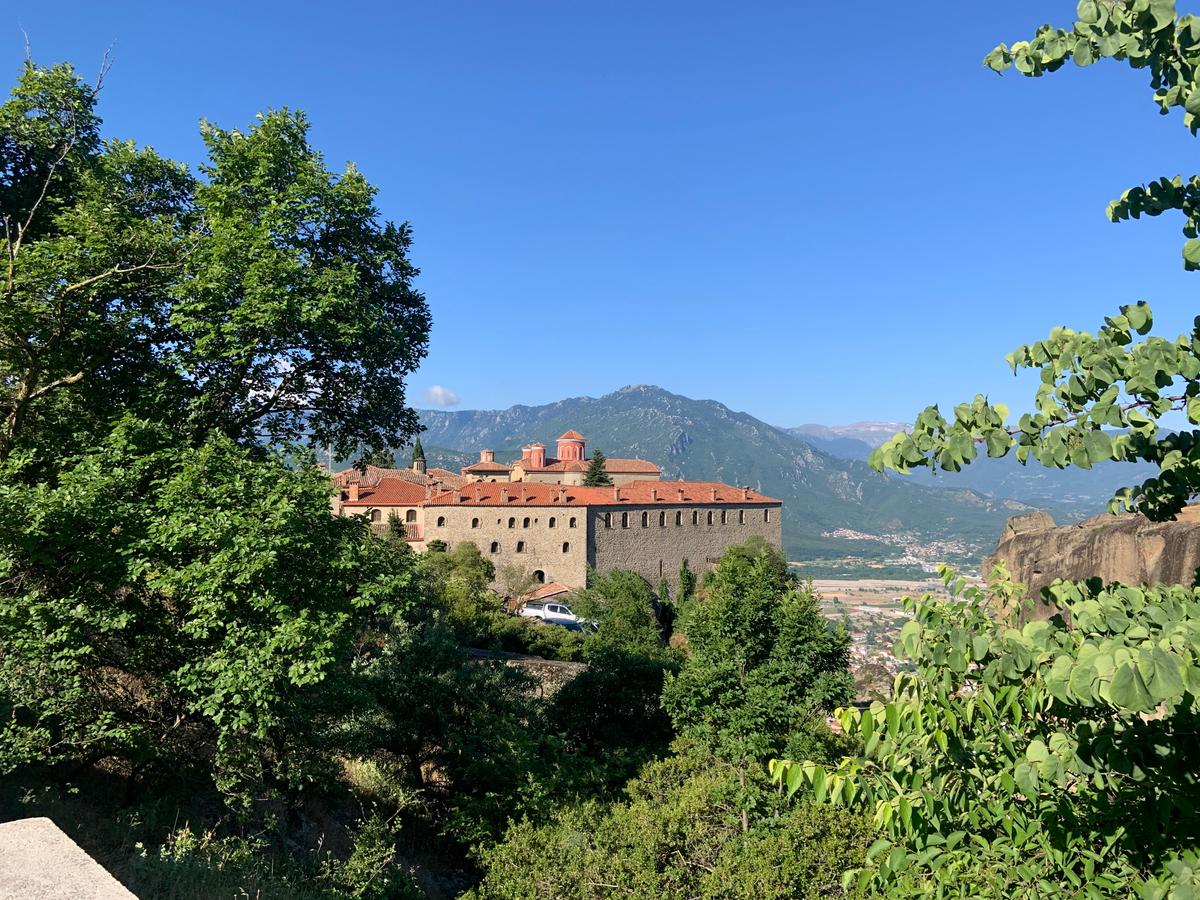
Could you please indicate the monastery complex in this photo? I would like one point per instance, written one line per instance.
(536, 513)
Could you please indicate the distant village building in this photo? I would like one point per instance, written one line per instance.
(536, 513)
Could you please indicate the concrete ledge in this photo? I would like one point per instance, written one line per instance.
(39, 862)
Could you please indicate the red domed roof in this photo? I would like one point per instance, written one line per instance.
(572, 436)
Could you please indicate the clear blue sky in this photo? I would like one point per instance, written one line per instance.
(810, 212)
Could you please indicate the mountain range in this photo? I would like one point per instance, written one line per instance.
(823, 491)
(1077, 492)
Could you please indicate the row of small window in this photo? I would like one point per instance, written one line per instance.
(495, 548)
(662, 518)
(552, 522)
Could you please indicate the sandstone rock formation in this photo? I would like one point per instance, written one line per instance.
(1126, 548)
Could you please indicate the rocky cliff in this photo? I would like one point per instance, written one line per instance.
(1126, 548)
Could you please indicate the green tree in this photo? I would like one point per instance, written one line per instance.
(418, 454)
(596, 474)
(174, 595)
(160, 599)
(515, 581)
(266, 301)
(384, 459)
(610, 715)
(687, 583)
(763, 669)
(762, 663)
(677, 836)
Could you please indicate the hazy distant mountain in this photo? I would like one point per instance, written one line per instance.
(870, 434)
(1078, 492)
(703, 439)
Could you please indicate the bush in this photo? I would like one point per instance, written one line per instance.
(678, 836)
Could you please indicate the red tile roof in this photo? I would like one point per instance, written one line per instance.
(633, 493)
(553, 589)
(572, 436)
(486, 467)
(389, 492)
(375, 474)
(631, 466)
(619, 466)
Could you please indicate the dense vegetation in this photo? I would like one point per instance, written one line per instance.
(1053, 755)
(219, 688)
(222, 690)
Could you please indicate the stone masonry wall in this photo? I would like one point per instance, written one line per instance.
(543, 548)
(657, 551)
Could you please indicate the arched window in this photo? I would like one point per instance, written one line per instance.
(695, 517)
(645, 519)
(662, 519)
(376, 515)
(608, 520)
(495, 546)
(512, 522)
(441, 521)
(624, 520)
(571, 523)
(724, 516)
(410, 516)
(566, 547)
(474, 523)
(710, 517)
(553, 522)
(520, 546)
(525, 522)
(741, 517)
(539, 576)
(678, 517)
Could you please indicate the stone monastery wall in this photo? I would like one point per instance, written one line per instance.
(534, 538)
(656, 549)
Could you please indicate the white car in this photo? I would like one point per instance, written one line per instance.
(554, 613)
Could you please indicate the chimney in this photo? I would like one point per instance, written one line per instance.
(714, 490)
(681, 495)
(428, 493)
(616, 492)
(562, 495)
(654, 495)
(503, 495)
(745, 493)
(352, 492)
(457, 494)
(487, 455)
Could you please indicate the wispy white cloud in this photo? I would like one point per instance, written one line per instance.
(440, 396)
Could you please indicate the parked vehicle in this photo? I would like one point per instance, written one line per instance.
(553, 613)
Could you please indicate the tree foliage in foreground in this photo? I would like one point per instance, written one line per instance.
(762, 660)
(1039, 760)
(266, 300)
(1053, 758)
(1109, 380)
(676, 835)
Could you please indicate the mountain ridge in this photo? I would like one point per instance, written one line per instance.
(706, 440)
